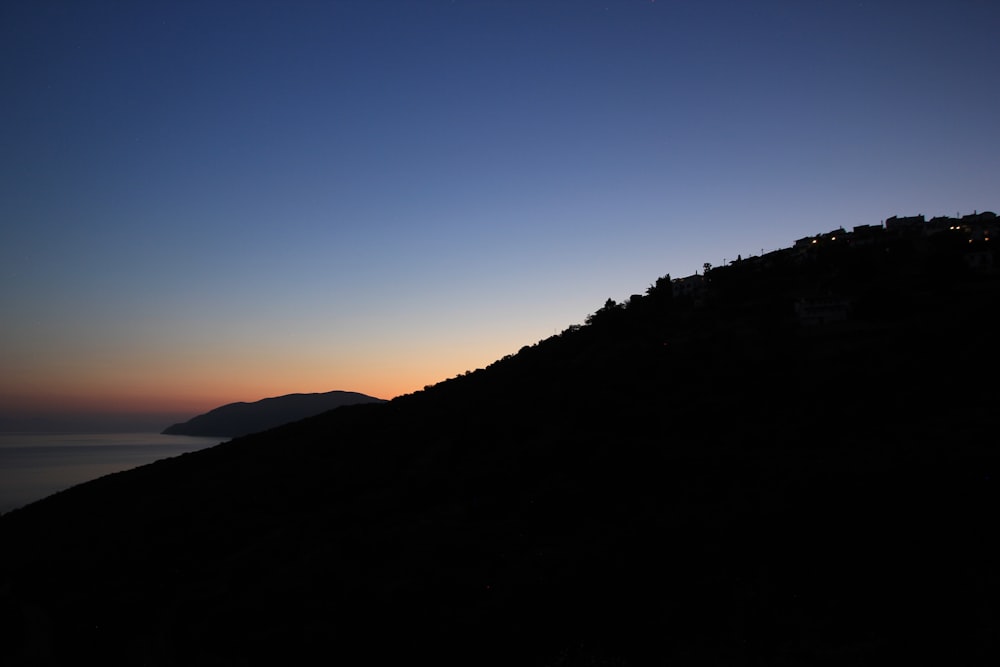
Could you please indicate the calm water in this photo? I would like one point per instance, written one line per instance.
(35, 465)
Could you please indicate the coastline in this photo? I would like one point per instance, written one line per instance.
(35, 465)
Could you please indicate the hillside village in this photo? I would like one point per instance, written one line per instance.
(915, 237)
(975, 230)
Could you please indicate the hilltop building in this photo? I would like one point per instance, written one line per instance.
(689, 286)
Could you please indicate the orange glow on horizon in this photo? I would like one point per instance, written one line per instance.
(159, 376)
(193, 401)
(175, 393)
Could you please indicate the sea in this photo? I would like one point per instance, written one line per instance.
(36, 465)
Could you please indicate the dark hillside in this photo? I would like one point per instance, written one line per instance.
(792, 465)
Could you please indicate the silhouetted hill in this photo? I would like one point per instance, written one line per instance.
(236, 419)
(794, 463)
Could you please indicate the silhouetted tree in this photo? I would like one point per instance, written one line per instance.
(607, 311)
(661, 287)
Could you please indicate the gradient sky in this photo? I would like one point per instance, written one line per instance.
(205, 202)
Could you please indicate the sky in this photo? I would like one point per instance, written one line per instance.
(207, 202)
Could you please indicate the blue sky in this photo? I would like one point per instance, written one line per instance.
(205, 202)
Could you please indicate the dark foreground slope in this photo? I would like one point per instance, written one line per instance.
(668, 485)
(236, 419)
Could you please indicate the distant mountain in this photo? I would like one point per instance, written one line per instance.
(237, 419)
